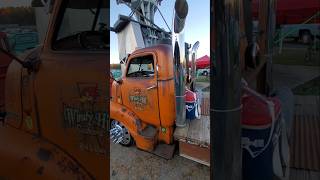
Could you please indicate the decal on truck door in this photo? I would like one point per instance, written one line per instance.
(84, 114)
(138, 98)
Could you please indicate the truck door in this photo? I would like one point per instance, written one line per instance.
(140, 88)
(70, 86)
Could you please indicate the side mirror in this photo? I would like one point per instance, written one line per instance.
(32, 63)
(119, 81)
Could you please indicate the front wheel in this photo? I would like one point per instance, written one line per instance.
(120, 134)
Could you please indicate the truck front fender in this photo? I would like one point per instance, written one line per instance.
(134, 125)
(124, 115)
(25, 156)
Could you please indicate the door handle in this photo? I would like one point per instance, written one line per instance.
(151, 87)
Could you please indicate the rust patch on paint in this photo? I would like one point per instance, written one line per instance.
(40, 170)
(44, 154)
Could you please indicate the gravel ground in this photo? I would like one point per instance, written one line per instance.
(131, 163)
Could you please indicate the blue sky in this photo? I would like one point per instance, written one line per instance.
(197, 25)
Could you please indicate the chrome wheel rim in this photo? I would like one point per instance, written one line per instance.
(126, 137)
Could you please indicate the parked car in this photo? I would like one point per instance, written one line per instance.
(203, 72)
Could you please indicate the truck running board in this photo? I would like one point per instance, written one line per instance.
(149, 132)
(164, 150)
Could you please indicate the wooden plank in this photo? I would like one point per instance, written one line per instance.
(206, 132)
(205, 106)
(196, 132)
(299, 174)
(305, 145)
(195, 153)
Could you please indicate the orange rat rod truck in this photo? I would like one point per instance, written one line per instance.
(148, 101)
(54, 124)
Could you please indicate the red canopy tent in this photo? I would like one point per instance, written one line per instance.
(203, 62)
(292, 11)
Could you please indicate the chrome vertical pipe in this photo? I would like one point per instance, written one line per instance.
(178, 47)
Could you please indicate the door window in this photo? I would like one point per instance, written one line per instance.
(141, 67)
(82, 25)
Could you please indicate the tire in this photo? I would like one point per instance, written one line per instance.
(127, 138)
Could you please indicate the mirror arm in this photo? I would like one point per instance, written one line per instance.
(27, 65)
(13, 57)
(119, 81)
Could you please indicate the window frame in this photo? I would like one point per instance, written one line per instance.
(143, 55)
(57, 23)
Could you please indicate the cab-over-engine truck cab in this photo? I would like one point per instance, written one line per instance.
(143, 101)
(56, 99)
(148, 102)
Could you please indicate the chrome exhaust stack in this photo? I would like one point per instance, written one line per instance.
(193, 63)
(178, 47)
(181, 12)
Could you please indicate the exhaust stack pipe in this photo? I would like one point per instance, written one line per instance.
(193, 63)
(180, 14)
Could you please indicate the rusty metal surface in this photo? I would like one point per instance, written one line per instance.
(35, 158)
(151, 100)
(305, 147)
(63, 105)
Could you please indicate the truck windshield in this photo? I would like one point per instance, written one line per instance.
(82, 25)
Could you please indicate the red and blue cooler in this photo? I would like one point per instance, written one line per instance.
(260, 131)
(191, 105)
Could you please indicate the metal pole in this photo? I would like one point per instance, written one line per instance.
(226, 156)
